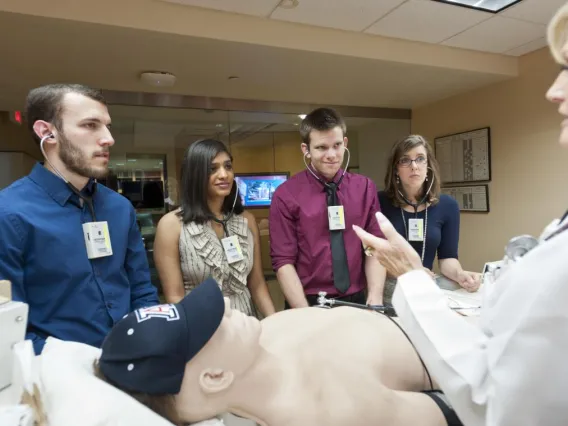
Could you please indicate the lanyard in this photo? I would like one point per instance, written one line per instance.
(425, 230)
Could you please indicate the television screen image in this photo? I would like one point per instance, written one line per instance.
(256, 190)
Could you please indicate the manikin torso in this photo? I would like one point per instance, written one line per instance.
(345, 364)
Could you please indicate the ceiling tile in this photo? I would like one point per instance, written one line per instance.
(351, 15)
(247, 7)
(539, 11)
(497, 35)
(443, 21)
(527, 48)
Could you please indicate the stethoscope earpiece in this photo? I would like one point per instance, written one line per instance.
(46, 137)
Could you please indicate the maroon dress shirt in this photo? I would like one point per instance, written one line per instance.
(299, 229)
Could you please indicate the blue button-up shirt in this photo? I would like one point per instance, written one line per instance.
(43, 254)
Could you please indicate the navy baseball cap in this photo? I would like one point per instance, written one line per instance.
(148, 349)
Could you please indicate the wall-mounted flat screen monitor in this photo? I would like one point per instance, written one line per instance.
(256, 189)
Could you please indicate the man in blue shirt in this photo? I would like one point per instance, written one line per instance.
(79, 274)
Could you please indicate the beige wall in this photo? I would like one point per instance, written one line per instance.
(528, 166)
(375, 142)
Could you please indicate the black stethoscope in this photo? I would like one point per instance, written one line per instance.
(88, 200)
(327, 185)
(223, 222)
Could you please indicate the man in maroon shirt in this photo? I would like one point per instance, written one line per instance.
(312, 242)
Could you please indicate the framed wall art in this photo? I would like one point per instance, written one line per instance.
(473, 198)
(464, 157)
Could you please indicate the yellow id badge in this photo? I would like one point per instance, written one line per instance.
(97, 239)
(232, 248)
(416, 230)
(336, 217)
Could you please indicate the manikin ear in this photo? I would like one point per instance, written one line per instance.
(305, 150)
(215, 380)
(43, 128)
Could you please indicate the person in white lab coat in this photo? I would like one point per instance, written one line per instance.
(511, 368)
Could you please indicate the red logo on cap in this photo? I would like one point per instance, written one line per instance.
(169, 312)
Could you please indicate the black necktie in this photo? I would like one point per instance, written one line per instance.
(338, 254)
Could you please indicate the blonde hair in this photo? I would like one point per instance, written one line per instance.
(557, 34)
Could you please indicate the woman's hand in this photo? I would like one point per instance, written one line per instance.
(470, 281)
(394, 252)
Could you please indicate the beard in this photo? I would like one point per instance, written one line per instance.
(77, 161)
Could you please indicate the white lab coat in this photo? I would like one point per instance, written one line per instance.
(511, 369)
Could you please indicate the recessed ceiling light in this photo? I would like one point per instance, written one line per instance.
(288, 4)
(302, 116)
(158, 78)
(493, 6)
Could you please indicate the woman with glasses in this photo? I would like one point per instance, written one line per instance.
(429, 220)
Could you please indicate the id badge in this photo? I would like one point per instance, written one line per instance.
(336, 218)
(416, 230)
(232, 248)
(97, 239)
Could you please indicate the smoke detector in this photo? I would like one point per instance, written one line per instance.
(158, 78)
(288, 4)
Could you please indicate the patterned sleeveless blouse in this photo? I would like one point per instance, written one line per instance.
(202, 256)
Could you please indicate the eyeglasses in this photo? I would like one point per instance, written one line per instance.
(406, 162)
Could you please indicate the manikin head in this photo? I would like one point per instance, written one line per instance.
(412, 170)
(182, 360)
(207, 177)
(558, 43)
(74, 122)
(324, 141)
